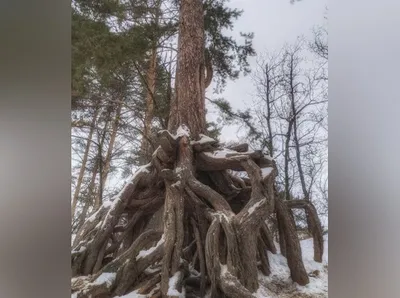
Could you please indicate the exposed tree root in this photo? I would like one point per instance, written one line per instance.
(214, 232)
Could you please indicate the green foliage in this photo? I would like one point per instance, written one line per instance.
(213, 130)
(229, 116)
(229, 58)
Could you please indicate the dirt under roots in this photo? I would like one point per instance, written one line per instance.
(187, 224)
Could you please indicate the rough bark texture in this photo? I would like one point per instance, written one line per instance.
(314, 225)
(188, 107)
(202, 239)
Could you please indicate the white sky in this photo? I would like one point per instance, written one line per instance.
(274, 23)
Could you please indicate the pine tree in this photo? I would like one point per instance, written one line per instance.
(209, 215)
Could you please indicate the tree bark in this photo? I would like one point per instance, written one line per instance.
(188, 107)
(269, 107)
(100, 161)
(146, 145)
(83, 166)
(90, 195)
(107, 162)
(314, 225)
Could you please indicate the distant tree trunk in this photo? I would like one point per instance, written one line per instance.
(292, 95)
(188, 106)
(89, 199)
(108, 158)
(287, 159)
(100, 161)
(146, 146)
(270, 144)
(84, 161)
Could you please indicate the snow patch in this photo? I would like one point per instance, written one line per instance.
(265, 172)
(107, 204)
(204, 140)
(73, 236)
(151, 270)
(222, 214)
(267, 156)
(220, 153)
(106, 277)
(280, 274)
(135, 171)
(92, 217)
(144, 253)
(224, 270)
(81, 249)
(172, 291)
(253, 208)
(74, 295)
(182, 130)
(177, 183)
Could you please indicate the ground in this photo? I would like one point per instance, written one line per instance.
(279, 284)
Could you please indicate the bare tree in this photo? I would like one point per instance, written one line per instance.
(84, 162)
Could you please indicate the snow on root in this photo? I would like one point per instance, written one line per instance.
(265, 172)
(256, 205)
(182, 130)
(106, 277)
(146, 252)
(172, 291)
(203, 140)
(135, 294)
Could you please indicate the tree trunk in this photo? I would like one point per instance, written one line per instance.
(83, 166)
(107, 162)
(293, 92)
(314, 225)
(287, 158)
(100, 161)
(146, 144)
(188, 106)
(90, 195)
(268, 118)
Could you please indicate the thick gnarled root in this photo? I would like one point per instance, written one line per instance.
(213, 236)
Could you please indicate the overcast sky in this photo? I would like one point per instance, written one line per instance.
(274, 23)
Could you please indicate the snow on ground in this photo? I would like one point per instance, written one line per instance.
(279, 283)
